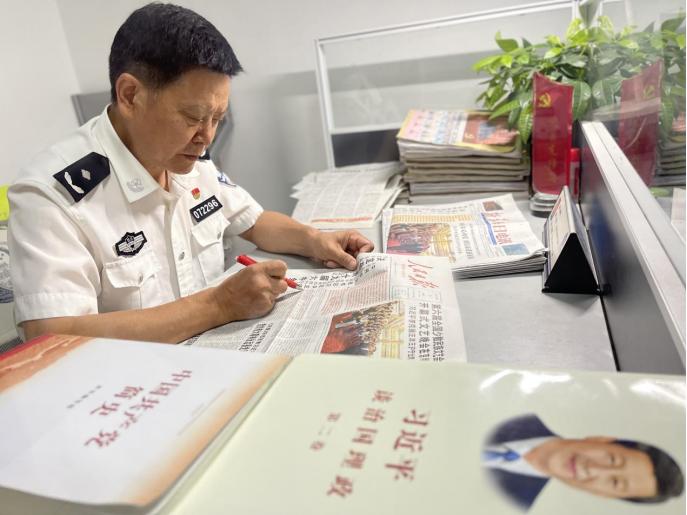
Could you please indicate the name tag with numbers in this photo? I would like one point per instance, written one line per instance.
(205, 208)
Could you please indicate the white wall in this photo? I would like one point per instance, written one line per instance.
(37, 79)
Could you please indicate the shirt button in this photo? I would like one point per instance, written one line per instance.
(181, 256)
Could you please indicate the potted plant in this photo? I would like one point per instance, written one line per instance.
(593, 59)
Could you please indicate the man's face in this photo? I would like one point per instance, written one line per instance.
(173, 126)
(602, 467)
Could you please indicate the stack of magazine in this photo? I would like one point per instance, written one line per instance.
(347, 197)
(483, 237)
(671, 168)
(448, 152)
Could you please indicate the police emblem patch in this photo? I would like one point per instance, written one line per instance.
(196, 193)
(130, 244)
(223, 179)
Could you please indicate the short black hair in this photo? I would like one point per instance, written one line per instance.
(670, 481)
(159, 42)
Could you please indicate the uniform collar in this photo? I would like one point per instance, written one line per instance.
(134, 179)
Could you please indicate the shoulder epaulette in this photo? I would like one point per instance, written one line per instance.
(80, 177)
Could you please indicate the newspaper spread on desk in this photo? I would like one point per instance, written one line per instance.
(348, 197)
(391, 306)
(488, 236)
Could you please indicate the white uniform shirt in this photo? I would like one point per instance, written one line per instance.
(92, 233)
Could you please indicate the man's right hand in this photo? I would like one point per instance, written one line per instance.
(251, 292)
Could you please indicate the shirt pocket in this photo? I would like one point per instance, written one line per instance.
(208, 246)
(130, 283)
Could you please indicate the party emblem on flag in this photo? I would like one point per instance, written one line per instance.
(196, 193)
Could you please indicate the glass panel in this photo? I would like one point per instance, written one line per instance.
(374, 81)
(649, 125)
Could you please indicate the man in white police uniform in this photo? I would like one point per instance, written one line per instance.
(117, 230)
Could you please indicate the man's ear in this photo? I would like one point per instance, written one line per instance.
(601, 439)
(130, 94)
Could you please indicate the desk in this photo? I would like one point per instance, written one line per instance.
(508, 320)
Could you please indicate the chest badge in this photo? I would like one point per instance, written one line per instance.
(130, 244)
(196, 193)
(208, 206)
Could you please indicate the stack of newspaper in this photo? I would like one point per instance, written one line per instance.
(671, 167)
(347, 197)
(460, 151)
(483, 237)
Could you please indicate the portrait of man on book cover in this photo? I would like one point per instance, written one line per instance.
(522, 455)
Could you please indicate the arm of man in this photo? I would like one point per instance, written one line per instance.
(248, 294)
(275, 232)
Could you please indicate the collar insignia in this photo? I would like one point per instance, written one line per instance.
(135, 185)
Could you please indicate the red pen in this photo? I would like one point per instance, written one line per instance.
(247, 261)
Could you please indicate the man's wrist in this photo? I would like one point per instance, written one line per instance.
(310, 245)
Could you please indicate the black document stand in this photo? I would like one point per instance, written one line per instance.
(569, 267)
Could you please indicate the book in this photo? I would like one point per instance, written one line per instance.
(336, 434)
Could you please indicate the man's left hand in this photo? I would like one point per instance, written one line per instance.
(340, 248)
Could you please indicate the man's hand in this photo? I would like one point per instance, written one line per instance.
(340, 248)
(251, 292)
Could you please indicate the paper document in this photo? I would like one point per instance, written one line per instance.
(344, 198)
(488, 236)
(391, 306)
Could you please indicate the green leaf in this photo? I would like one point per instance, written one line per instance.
(525, 97)
(525, 123)
(552, 52)
(578, 61)
(573, 28)
(649, 28)
(553, 40)
(667, 115)
(513, 117)
(507, 60)
(485, 62)
(629, 43)
(582, 94)
(604, 90)
(606, 24)
(505, 108)
(523, 58)
(525, 43)
(505, 44)
(680, 40)
(672, 24)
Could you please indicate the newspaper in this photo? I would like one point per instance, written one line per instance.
(488, 236)
(344, 198)
(391, 306)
